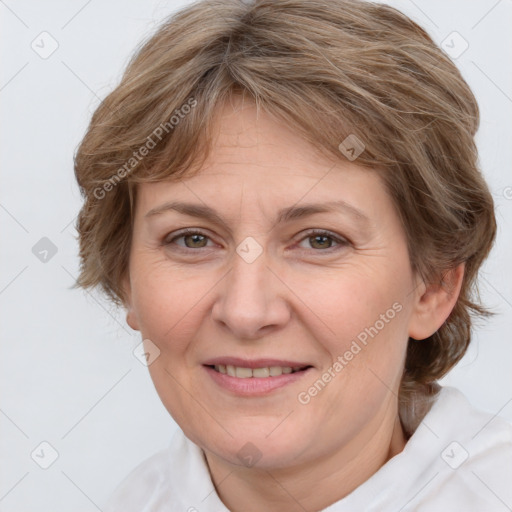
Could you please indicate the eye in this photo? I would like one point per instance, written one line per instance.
(323, 240)
(193, 239)
(320, 240)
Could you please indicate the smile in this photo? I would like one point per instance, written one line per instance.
(254, 378)
(241, 372)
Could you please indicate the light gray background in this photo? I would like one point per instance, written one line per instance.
(68, 375)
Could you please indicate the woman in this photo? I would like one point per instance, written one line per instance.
(285, 198)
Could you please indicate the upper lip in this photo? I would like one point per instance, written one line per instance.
(254, 363)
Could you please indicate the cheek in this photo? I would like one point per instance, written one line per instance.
(366, 350)
(364, 322)
(165, 300)
(347, 302)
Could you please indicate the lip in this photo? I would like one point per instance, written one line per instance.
(254, 363)
(255, 386)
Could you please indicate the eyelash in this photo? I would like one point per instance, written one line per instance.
(314, 232)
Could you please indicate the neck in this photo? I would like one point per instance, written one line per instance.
(313, 484)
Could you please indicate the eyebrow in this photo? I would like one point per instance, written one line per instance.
(284, 215)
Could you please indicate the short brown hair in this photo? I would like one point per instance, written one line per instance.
(328, 69)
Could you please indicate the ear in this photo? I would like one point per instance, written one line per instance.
(131, 317)
(434, 302)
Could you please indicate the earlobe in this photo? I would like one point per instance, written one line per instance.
(131, 317)
(434, 302)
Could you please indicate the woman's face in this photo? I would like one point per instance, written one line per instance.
(252, 286)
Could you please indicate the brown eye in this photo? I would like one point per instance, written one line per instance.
(191, 240)
(324, 240)
(194, 241)
(320, 242)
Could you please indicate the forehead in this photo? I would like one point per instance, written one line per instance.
(241, 133)
(256, 159)
(256, 145)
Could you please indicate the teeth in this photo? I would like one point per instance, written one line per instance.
(261, 372)
(245, 373)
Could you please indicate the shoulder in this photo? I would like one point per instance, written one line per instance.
(174, 479)
(458, 458)
(139, 487)
(471, 463)
(481, 432)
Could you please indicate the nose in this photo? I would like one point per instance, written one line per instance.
(252, 300)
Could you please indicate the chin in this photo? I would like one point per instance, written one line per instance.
(257, 443)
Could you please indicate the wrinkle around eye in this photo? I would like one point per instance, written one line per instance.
(338, 242)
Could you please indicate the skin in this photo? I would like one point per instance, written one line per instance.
(304, 298)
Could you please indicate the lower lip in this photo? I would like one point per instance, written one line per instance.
(254, 386)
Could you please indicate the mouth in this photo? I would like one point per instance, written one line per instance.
(254, 377)
(241, 372)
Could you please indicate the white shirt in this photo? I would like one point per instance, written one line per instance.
(458, 460)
